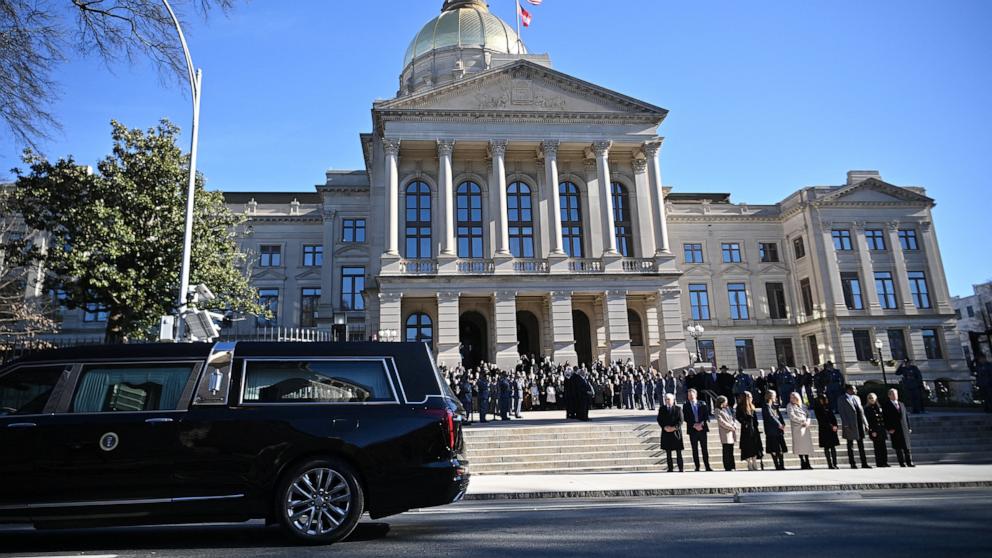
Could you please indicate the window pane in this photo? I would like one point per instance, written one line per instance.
(25, 391)
(107, 388)
(316, 382)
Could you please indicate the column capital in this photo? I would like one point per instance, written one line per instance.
(925, 226)
(602, 148)
(497, 147)
(893, 226)
(652, 147)
(445, 147)
(640, 166)
(550, 147)
(391, 145)
(387, 297)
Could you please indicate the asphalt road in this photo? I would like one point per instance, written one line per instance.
(898, 523)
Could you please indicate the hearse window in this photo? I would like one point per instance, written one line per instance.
(316, 381)
(106, 388)
(25, 391)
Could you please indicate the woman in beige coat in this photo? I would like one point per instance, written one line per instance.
(729, 431)
(802, 438)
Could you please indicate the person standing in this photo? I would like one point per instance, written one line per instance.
(650, 390)
(912, 382)
(743, 382)
(584, 394)
(834, 382)
(483, 388)
(639, 392)
(697, 416)
(729, 430)
(627, 391)
(465, 390)
(983, 379)
(826, 422)
(802, 437)
(681, 386)
(876, 430)
(897, 425)
(771, 417)
(785, 382)
(750, 436)
(518, 395)
(670, 420)
(854, 424)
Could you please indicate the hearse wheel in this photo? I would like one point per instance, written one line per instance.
(320, 501)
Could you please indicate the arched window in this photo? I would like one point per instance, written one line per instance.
(419, 327)
(621, 219)
(571, 219)
(469, 198)
(635, 329)
(520, 220)
(418, 221)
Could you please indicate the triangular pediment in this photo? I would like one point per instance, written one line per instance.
(309, 273)
(772, 268)
(269, 274)
(734, 269)
(523, 87)
(873, 190)
(351, 248)
(693, 269)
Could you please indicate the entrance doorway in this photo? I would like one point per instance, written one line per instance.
(528, 334)
(583, 337)
(473, 338)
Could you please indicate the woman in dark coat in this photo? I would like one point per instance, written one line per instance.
(747, 415)
(826, 422)
(774, 425)
(876, 430)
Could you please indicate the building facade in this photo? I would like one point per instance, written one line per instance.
(974, 320)
(506, 207)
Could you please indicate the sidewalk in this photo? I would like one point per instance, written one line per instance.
(613, 485)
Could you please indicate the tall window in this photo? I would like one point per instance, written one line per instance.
(862, 345)
(768, 252)
(806, 291)
(419, 328)
(907, 239)
(886, 289)
(842, 239)
(918, 288)
(353, 230)
(776, 301)
(313, 255)
(269, 255)
(875, 238)
(784, 354)
(814, 349)
(520, 218)
(352, 285)
(693, 253)
(571, 219)
(268, 299)
(699, 302)
(931, 344)
(745, 353)
(93, 312)
(418, 221)
(737, 294)
(707, 351)
(851, 285)
(469, 214)
(309, 298)
(635, 328)
(731, 252)
(897, 344)
(621, 219)
(799, 247)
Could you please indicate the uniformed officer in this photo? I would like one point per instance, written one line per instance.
(465, 394)
(835, 384)
(505, 397)
(483, 388)
(912, 383)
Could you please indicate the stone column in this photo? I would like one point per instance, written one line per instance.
(653, 340)
(901, 276)
(446, 193)
(325, 308)
(505, 318)
(936, 280)
(617, 331)
(867, 271)
(651, 149)
(646, 226)
(592, 245)
(447, 328)
(563, 348)
(673, 332)
(392, 149)
(602, 150)
(498, 150)
(554, 202)
(835, 294)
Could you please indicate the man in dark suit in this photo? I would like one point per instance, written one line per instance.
(670, 420)
(854, 425)
(912, 382)
(697, 416)
(897, 424)
(483, 387)
(505, 397)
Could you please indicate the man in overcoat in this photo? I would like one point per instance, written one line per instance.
(912, 382)
(483, 387)
(897, 424)
(854, 425)
(670, 420)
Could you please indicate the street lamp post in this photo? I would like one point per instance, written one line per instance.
(696, 331)
(195, 77)
(878, 348)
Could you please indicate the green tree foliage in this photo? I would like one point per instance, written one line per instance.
(115, 235)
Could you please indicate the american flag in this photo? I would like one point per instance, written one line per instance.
(535, 2)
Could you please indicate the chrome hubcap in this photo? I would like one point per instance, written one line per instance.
(318, 501)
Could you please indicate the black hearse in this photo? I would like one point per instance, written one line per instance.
(307, 435)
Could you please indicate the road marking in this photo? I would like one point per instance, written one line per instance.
(72, 556)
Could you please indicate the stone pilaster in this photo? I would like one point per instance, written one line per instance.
(617, 331)
(901, 275)
(645, 226)
(505, 318)
(602, 151)
(936, 279)
(657, 191)
(550, 148)
(325, 307)
(834, 296)
(869, 291)
(446, 194)
(447, 328)
(563, 349)
(390, 305)
(669, 306)
(653, 340)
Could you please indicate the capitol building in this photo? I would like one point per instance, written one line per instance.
(506, 207)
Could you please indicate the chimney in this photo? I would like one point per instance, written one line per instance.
(855, 176)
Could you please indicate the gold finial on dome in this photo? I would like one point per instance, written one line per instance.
(456, 4)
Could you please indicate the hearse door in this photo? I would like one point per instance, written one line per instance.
(115, 440)
(26, 396)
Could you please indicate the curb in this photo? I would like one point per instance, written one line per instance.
(724, 491)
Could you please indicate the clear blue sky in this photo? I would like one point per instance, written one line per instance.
(765, 97)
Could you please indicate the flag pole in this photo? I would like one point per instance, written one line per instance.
(517, 4)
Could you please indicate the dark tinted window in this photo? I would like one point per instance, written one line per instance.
(316, 381)
(25, 391)
(107, 388)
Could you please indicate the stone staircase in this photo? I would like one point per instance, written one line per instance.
(633, 446)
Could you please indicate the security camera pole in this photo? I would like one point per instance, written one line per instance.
(195, 80)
